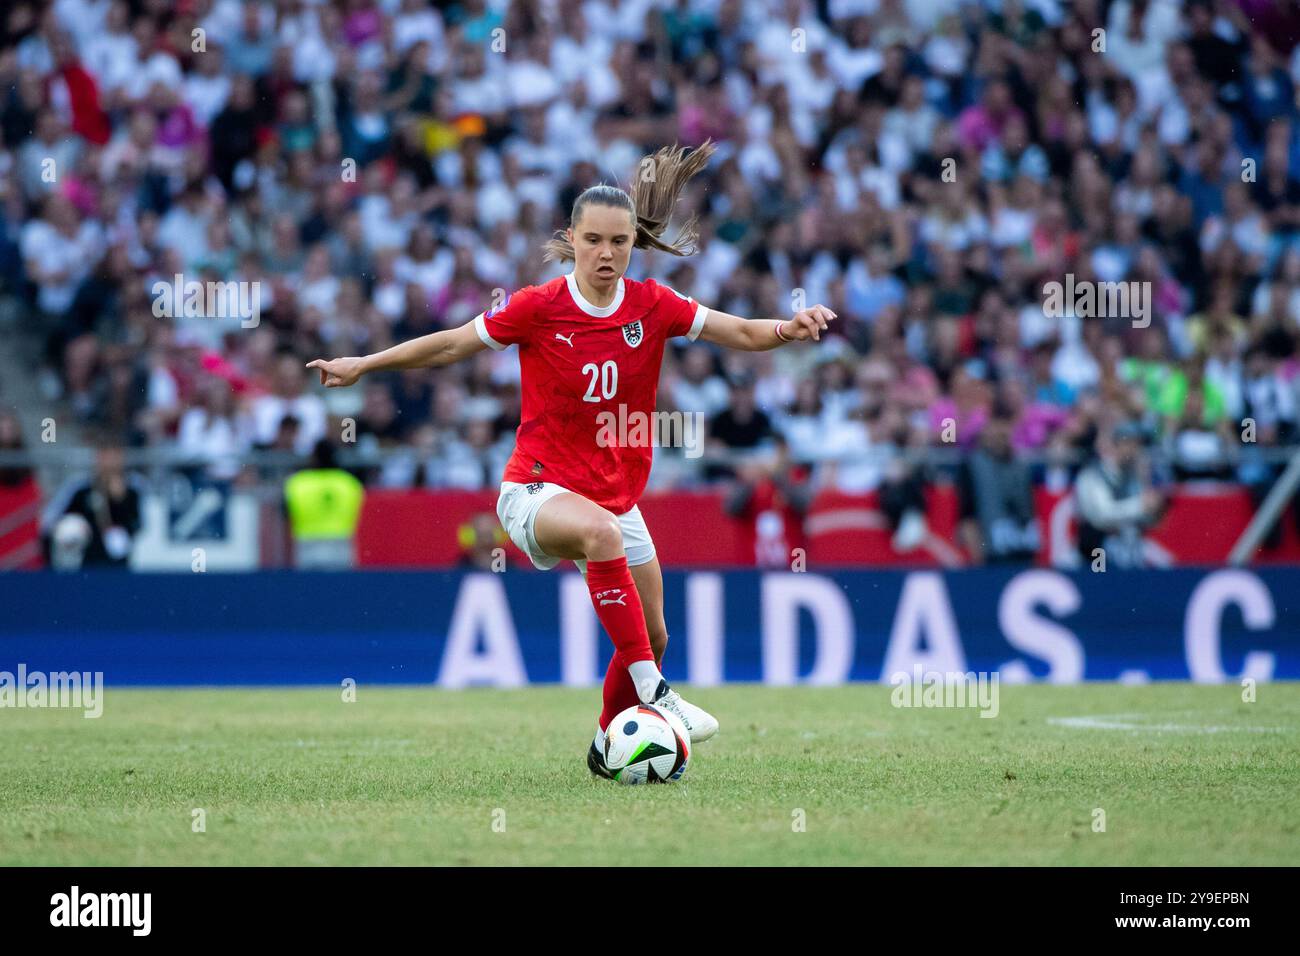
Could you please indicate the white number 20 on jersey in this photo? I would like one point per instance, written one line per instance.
(607, 374)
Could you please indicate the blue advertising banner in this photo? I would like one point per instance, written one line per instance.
(522, 627)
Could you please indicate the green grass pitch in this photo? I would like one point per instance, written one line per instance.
(1184, 774)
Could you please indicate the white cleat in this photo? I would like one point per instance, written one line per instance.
(700, 724)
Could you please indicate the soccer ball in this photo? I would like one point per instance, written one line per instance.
(646, 744)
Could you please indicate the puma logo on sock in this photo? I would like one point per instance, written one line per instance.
(600, 596)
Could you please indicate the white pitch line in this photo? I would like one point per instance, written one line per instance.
(1125, 722)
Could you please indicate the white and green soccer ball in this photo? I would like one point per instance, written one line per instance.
(646, 744)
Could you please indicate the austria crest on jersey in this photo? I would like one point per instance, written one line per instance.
(632, 333)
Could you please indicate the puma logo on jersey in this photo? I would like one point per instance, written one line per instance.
(622, 596)
(568, 341)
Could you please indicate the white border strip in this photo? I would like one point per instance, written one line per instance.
(480, 326)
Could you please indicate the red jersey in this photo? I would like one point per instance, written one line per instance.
(577, 361)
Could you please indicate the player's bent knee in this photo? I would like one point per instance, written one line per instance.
(603, 538)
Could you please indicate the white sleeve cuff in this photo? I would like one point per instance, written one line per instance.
(698, 325)
(480, 326)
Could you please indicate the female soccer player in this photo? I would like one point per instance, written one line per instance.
(590, 341)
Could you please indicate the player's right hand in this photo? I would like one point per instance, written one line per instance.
(337, 373)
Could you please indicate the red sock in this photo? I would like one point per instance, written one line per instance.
(618, 605)
(619, 692)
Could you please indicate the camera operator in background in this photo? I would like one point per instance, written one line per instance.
(93, 521)
(1115, 501)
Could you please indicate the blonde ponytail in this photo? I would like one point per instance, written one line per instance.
(659, 182)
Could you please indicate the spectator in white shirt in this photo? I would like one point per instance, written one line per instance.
(60, 251)
(214, 430)
(697, 388)
(290, 399)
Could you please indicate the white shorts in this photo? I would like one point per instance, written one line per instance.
(517, 508)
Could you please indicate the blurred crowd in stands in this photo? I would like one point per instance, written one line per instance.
(923, 167)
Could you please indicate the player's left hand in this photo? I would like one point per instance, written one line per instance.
(808, 323)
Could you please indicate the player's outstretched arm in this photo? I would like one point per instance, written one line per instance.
(428, 351)
(759, 335)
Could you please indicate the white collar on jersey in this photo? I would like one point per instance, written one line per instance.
(585, 306)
